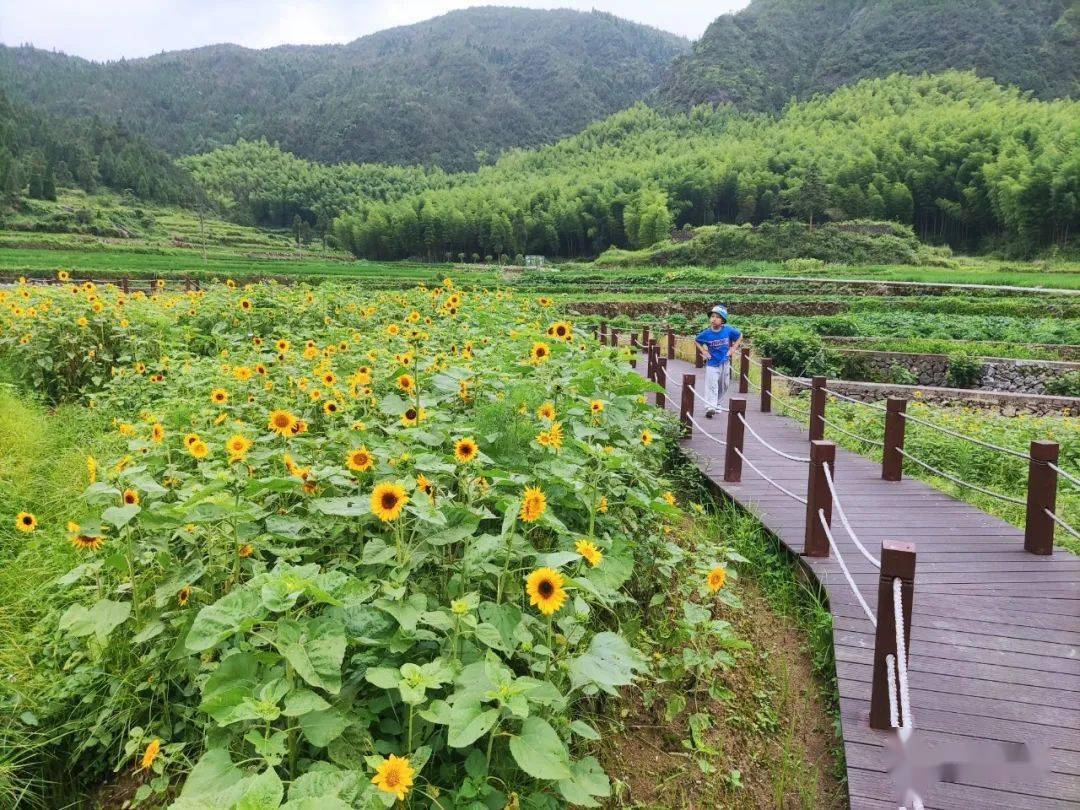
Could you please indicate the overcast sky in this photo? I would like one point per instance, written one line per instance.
(110, 29)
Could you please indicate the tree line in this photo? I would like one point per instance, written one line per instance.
(961, 159)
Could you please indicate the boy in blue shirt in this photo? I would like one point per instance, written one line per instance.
(716, 345)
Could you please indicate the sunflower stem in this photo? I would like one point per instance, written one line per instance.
(506, 567)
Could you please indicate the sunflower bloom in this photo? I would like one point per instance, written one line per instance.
(219, 396)
(540, 352)
(465, 450)
(394, 775)
(546, 412)
(388, 499)
(669, 498)
(533, 504)
(646, 438)
(91, 468)
(716, 578)
(131, 497)
(360, 460)
(282, 423)
(199, 449)
(588, 550)
(545, 589)
(596, 407)
(151, 753)
(238, 446)
(25, 522)
(83, 541)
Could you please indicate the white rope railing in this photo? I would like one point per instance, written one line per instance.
(780, 487)
(852, 400)
(906, 726)
(789, 378)
(843, 567)
(846, 432)
(959, 481)
(956, 435)
(786, 403)
(843, 518)
(1062, 523)
(1068, 476)
(778, 452)
(701, 398)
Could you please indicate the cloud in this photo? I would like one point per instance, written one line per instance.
(111, 29)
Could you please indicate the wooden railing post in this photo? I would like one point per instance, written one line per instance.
(815, 543)
(897, 560)
(686, 403)
(603, 332)
(766, 384)
(661, 380)
(817, 408)
(671, 344)
(1041, 496)
(651, 367)
(645, 339)
(614, 337)
(892, 461)
(699, 360)
(734, 438)
(124, 284)
(633, 349)
(744, 369)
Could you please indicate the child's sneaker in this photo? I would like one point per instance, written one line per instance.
(709, 413)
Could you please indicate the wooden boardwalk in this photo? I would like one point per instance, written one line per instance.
(995, 639)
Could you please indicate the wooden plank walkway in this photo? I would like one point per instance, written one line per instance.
(995, 639)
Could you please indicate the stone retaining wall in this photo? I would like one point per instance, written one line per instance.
(1064, 351)
(998, 374)
(1006, 404)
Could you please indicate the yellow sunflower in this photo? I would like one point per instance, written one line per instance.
(238, 446)
(388, 499)
(25, 522)
(465, 450)
(406, 383)
(533, 504)
(596, 407)
(219, 396)
(716, 578)
(151, 753)
(282, 422)
(587, 549)
(546, 411)
(199, 449)
(82, 540)
(395, 776)
(540, 352)
(545, 589)
(646, 437)
(131, 497)
(360, 460)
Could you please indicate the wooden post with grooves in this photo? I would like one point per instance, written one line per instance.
(686, 403)
(744, 369)
(734, 438)
(892, 460)
(603, 332)
(699, 361)
(661, 380)
(766, 385)
(124, 284)
(1041, 497)
(818, 497)
(897, 560)
(670, 344)
(645, 339)
(633, 349)
(650, 368)
(817, 408)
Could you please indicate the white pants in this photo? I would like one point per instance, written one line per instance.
(717, 379)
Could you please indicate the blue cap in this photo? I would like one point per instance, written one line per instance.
(719, 310)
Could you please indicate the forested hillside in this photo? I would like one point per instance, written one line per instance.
(445, 92)
(762, 56)
(39, 153)
(960, 158)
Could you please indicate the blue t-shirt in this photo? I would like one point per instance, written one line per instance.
(718, 342)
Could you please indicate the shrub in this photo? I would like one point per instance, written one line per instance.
(965, 371)
(798, 351)
(1067, 385)
(804, 265)
(900, 375)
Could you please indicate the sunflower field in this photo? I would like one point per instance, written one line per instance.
(360, 549)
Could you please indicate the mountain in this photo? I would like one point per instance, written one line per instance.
(772, 50)
(479, 80)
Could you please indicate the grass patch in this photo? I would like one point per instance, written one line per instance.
(766, 731)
